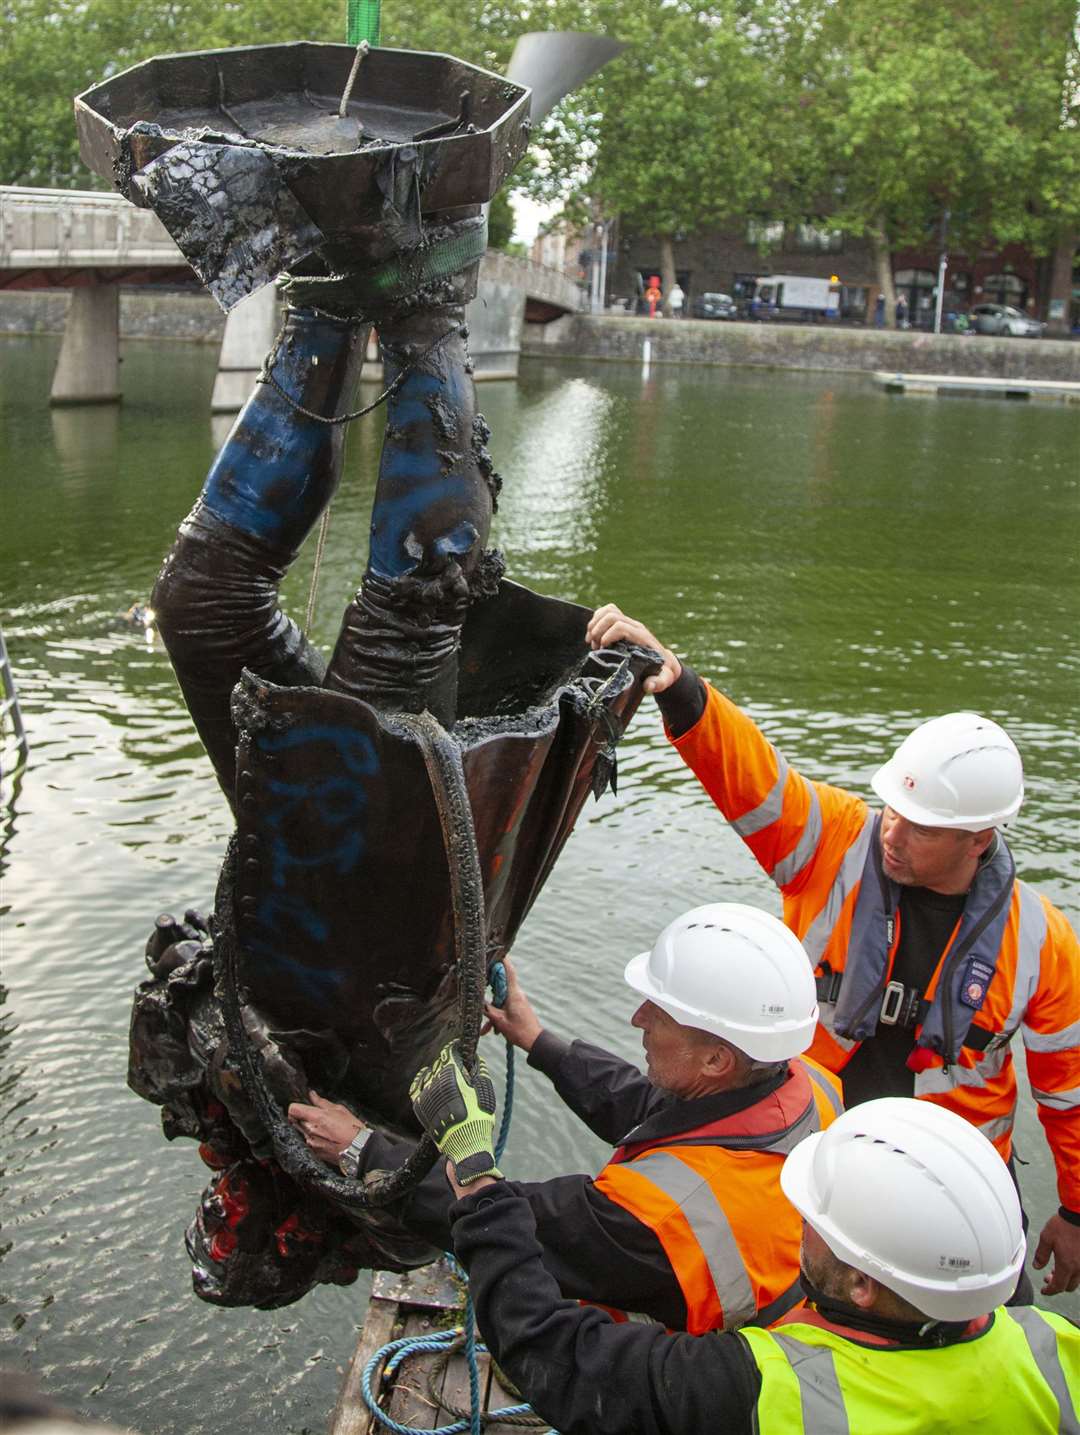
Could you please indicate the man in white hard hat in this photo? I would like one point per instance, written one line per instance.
(929, 953)
(686, 1223)
(912, 1242)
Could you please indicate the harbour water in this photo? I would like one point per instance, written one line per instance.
(840, 561)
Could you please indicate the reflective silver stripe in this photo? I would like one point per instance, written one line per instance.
(830, 1093)
(1042, 1341)
(1000, 1126)
(935, 1079)
(1031, 933)
(850, 870)
(823, 1411)
(1057, 1100)
(789, 867)
(768, 810)
(711, 1229)
(1061, 1040)
(786, 1142)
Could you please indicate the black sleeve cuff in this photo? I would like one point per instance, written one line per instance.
(1073, 1217)
(503, 1190)
(548, 1051)
(682, 705)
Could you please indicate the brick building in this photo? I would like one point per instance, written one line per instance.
(727, 261)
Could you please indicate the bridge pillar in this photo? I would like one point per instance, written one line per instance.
(495, 318)
(249, 332)
(88, 369)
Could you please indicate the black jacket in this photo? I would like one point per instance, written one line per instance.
(594, 1249)
(579, 1369)
(586, 1374)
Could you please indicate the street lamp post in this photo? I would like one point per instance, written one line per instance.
(943, 265)
(603, 266)
(598, 274)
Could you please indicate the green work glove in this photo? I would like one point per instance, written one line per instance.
(458, 1113)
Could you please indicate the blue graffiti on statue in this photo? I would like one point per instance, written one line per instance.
(294, 816)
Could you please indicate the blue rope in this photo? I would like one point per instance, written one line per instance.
(475, 1422)
(499, 990)
(399, 1350)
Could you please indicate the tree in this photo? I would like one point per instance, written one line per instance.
(1044, 39)
(918, 107)
(500, 221)
(678, 132)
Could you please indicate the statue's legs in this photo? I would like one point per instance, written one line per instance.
(216, 598)
(400, 637)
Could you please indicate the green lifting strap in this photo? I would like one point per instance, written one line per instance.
(362, 21)
(398, 277)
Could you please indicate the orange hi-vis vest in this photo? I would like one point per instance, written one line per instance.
(1011, 965)
(712, 1196)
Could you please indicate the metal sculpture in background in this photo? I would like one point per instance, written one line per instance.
(398, 808)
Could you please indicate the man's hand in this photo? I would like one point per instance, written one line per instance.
(472, 1187)
(610, 625)
(1061, 1240)
(326, 1127)
(516, 1020)
(458, 1112)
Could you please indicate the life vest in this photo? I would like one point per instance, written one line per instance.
(1012, 963)
(1018, 1370)
(712, 1196)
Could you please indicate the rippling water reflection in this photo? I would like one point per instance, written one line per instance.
(841, 562)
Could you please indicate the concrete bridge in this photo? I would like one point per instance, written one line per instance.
(95, 243)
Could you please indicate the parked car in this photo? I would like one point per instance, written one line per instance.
(1003, 319)
(714, 306)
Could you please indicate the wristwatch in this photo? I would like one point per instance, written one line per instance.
(349, 1159)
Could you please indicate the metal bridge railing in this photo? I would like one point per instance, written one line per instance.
(9, 707)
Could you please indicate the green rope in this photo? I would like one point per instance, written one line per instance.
(362, 21)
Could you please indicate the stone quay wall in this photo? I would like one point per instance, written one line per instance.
(800, 346)
(191, 316)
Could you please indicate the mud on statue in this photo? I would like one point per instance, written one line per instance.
(399, 807)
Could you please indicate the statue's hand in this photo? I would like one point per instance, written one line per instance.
(610, 624)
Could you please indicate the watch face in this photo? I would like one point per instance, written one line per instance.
(349, 1160)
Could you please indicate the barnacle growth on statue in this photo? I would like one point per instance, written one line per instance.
(399, 807)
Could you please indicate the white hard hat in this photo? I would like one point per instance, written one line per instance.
(734, 971)
(916, 1197)
(960, 770)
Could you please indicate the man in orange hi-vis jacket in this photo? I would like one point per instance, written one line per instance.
(686, 1223)
(929, 953)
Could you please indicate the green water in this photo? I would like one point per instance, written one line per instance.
(841, 561)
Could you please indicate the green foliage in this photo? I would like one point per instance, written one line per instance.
(918, 106)
(870, 115)
(680, 131)
(500, 221)
(50, 50)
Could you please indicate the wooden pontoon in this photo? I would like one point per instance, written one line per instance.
(424, 1301)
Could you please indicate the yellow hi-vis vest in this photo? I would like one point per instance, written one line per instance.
(1020, 1375)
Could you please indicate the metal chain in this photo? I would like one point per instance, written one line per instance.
(320, 546)
(266, 377)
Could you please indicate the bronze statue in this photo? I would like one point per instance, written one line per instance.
(399, 807)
